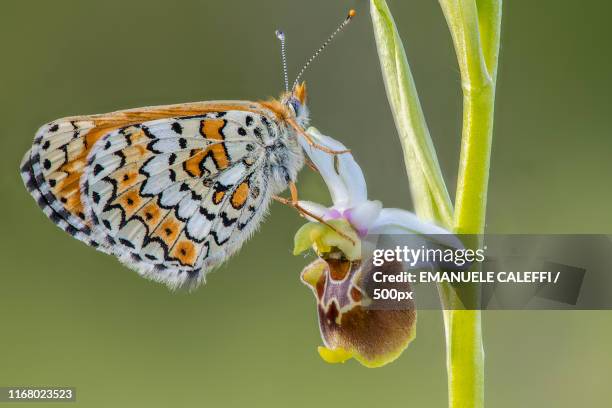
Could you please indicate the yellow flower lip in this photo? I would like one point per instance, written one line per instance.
(324, 239)
(334, 356)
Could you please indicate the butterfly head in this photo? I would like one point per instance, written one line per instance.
(295, 102)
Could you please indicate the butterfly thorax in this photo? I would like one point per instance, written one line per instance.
(285, 160)
(285, 157)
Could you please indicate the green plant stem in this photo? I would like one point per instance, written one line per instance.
(465, 358)
(473, 179)
(464, 347)
(475, 28)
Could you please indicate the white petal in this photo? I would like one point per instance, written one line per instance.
(313, 208)
(396, 221)
(341, 173)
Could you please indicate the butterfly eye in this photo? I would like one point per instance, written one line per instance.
(295, 105)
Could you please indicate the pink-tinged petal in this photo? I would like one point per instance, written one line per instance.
(349, 324)
(333, 214)
(396, 221)
(363, 216)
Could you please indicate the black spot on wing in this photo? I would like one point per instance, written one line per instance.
(227, 222)
(177, 128)
(71, 230)
(127, 243)
(97, 169)
(209, 216)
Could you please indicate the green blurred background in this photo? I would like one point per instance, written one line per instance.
(73, 316)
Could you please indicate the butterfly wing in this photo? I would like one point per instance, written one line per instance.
(172, 191)
(51, 170)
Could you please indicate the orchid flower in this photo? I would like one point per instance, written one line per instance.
(349, 194)
(349, 329)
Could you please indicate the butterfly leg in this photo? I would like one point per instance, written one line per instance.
(311, 165)
(293, 202)
(312, 142)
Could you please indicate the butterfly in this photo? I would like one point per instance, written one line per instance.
(172, 191)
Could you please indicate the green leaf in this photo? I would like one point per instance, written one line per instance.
(429, 192)
(462, 19)
(489, 25)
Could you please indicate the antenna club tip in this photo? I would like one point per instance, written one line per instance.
(280, 34)
(352, 13)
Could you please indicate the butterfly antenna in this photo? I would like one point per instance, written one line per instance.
(347, 20)
(281, 36)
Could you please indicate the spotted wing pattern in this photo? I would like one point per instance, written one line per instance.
(174, 197)
(172, 191)
(51, 170)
